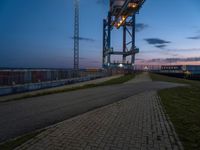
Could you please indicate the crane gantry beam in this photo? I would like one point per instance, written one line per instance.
(129, 8)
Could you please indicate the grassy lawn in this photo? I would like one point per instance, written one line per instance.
(183, 106)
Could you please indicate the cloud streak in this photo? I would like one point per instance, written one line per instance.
(173, 60)
(170, 60)
(161, 46)
(141, 27)
(194, 37)
(155, 41)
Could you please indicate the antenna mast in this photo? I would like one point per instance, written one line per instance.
(76, 35)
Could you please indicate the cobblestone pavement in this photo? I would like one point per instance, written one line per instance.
(135, 123)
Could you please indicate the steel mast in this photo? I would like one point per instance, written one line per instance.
(76, 35)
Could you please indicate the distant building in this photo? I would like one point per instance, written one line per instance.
(147, 67)
(192, 69)
(182, 71)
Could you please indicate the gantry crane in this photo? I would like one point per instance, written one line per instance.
(121, 14)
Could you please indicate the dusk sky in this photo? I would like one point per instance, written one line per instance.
(38, 33)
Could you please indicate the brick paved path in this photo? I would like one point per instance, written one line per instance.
(135, 123)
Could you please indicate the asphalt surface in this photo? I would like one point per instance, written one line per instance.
(19, 95)
(23, 116)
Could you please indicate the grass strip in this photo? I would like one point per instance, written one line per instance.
(183, 107)
(11, 144)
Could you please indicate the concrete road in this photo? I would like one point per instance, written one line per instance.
(22, 116)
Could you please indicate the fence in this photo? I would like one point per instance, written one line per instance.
(18, 81)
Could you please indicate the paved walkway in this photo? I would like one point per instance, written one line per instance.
(143, 77)
(136, 123)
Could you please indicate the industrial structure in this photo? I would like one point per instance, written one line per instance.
(121, 14)
(187, 69)
(76, 35)
(181, 71)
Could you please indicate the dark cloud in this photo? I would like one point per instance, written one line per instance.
(186, 49)
(155, 41)
(194, 37)
(172, 52)
(141, 27)
(85, 39)
(158, 43)
(161, 46)
(174, 60)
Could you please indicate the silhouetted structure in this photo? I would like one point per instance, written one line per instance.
(121, 14)
(76, 35)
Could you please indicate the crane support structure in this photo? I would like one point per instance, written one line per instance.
(121, 15)
(76, 35)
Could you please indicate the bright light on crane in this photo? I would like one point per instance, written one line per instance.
(122, 9)
(133, 5)
(120, 22)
